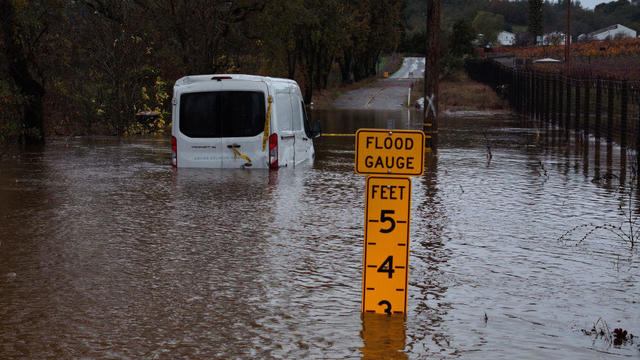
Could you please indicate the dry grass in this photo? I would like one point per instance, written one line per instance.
(459, 93)
(465, 94)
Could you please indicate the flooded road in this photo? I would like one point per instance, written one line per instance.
(386, 93)
(108, 252)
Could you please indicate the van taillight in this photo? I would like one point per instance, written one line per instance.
(273, 151)
(174, 152)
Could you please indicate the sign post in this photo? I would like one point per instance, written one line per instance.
(389, 157)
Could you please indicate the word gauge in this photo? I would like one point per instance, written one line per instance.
(389, 152)
(386, 245)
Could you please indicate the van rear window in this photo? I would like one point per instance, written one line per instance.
(222, 114)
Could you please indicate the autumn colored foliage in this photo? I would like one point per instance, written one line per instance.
(104, 66)
(609, 58)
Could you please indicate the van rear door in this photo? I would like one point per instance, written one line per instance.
(242, 119)
(198, 140)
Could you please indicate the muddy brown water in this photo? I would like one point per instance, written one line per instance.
(108, 252)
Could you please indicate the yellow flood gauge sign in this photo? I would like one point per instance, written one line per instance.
(390, 157)
(386, 245)
(389, 152)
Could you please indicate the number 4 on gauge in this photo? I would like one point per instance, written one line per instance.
(387, 267)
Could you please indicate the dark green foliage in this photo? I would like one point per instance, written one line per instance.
(462, 37)
(489, 25)
(620, 12)
(457, 47)
(535, 17)
(16, 46)
(303, 39)
(414, 43)
(88, 66)
(493, 16)
(516, 14)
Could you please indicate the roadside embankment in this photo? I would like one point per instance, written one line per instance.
(464, 94)
(459, 95)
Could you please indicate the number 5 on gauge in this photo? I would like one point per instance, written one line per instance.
(386, 245)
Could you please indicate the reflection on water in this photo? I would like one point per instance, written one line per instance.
(107, 252)
(429, 257)
(383, 337)
(348, 121)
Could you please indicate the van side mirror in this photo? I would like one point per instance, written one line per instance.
(317, 130)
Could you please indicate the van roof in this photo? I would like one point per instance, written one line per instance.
(191, 79)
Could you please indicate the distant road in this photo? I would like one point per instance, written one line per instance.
(412, 68)
(385, 94)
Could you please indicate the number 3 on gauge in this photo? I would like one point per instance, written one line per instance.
(384, 218)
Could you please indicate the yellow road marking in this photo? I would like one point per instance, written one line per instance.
(373, 97)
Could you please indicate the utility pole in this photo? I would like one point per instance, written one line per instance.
(567, 42)
(431, 72)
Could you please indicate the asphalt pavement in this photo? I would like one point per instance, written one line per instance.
(385, 94)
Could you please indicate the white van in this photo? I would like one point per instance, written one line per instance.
(239, 121)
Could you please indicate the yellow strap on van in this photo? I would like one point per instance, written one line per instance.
(265, 137)
(237, 153)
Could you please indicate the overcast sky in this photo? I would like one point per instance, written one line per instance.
(590, 4)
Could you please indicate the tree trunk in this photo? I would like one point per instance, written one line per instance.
(308, 91)
(346, 68)
(309, 66)
(291, 63)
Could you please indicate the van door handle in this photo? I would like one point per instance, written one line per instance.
(287, 137)
(305, 139)
(234, 146)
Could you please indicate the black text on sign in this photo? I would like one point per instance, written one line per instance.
(389, 152)
(386, 245)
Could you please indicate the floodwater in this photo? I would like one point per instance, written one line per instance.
(108, 252)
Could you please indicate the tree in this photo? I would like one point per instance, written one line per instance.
(304, 38)
(118, 54)
(199, 32)
(369, 34)
(524, 38)
(488, 24)
(462, 38)
(535, 18)
(280, 38)
(88, 66)
(23, 27)
(456, 48)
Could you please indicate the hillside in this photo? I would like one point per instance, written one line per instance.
(515, 14)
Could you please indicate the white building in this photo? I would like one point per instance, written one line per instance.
(506, 38)
(553, 38)
(612, 32)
